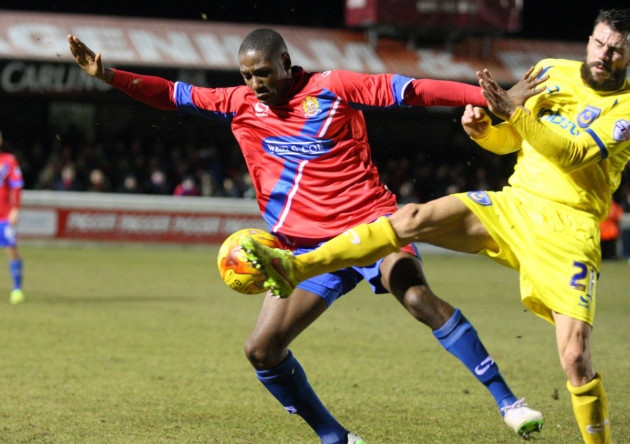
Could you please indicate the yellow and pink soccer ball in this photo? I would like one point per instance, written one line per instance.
(235, 270)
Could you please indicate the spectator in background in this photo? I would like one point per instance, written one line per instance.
(207, 185)
(230, 188)
(11, 183)
(36, 156)
(187, 187)
(609, 231)
(46, 177)
(623, 192)
(67, 180)
(99, 182)
(129, 185)
(248, 187)
(407, 193)
(157, 183)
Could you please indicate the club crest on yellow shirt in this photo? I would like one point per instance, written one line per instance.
(588, 116)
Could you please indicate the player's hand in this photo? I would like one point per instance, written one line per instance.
(88, 61)
(527, 86)
(499, 101)
(476, 122)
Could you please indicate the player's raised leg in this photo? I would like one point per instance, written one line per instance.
(445, 222)
(361, 245)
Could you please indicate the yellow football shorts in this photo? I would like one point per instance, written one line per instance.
(555, 248)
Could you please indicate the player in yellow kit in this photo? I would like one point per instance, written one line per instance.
(573, 142)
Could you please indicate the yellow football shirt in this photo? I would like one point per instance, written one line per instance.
(574, 144)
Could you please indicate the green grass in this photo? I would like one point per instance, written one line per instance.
(137, 344)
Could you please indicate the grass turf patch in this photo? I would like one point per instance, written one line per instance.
(143, 344)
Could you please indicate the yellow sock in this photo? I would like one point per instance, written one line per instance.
(590, 407)
(361, 245)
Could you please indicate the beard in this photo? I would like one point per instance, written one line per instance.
(612, 83)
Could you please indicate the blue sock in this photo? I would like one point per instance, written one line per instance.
(15, 269)
(460, 338)
(288, 383)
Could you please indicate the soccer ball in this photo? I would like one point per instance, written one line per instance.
(235, 270)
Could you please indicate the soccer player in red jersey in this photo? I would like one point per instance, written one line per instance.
(304, 139)
(11, 183)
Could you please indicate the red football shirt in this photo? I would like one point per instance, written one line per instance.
(309, 158)
(11, 182)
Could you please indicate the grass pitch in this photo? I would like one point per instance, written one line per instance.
(142, 344)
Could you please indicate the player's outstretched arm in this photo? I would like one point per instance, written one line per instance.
(89, 61)
(499, 139)
(154, 91)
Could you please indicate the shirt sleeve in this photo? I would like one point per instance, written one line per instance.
(154, 91)
(568, 154)
(500, 139)
(395, 90)
(16, 179)
(429, 92)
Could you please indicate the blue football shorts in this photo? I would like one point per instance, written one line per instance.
(8, 234)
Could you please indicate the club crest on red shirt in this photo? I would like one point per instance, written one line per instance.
(310, 106)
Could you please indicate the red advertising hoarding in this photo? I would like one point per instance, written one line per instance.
(134, 218)
(150, 226)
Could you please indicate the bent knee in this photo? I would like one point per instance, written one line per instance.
(261, 354)
(406, 220)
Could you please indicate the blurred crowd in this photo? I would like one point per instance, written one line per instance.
(197, 169)
(135, 167)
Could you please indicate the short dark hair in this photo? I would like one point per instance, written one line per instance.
(264, 40)
(617, 19)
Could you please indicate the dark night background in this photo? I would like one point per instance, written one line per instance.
(541, 19)
(394, 135)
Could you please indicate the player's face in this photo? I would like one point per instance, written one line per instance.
(269, 78)
(607, 59)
